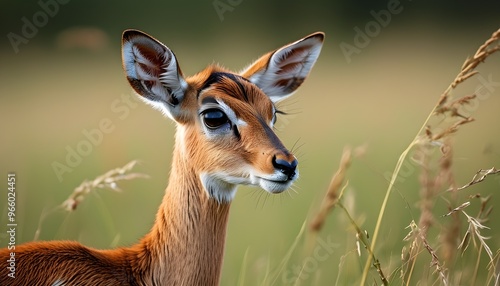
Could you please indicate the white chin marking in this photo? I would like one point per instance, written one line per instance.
(218, 189)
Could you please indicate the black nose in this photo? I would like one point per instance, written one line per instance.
(285, 167)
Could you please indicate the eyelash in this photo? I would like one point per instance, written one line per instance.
(276, 112)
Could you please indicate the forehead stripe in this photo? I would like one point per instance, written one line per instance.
(217, 77)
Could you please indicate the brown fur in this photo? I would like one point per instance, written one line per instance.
(184, 247)
(186, 243)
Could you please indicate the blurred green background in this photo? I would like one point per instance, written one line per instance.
(63, 76)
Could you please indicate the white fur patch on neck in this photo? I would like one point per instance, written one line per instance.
(216, 188)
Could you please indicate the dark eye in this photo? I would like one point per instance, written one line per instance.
(214, 118)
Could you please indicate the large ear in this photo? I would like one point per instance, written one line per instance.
(153, 72)
(281, 72)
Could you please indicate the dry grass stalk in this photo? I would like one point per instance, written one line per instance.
(496, 269)
(449, 239)
(427, 136)
(108, 180)
(489, 47)
(451, 231)
(408, 258)
(473, 233)
(427, 190)
(332, 193)
(362, 238)
(449, 235)
(453, 107)
(457, 209)
(479, 177)
(431, 185)
(435, 261)
(332, 198)
(417, 237)
(445, 176)
(452, 129)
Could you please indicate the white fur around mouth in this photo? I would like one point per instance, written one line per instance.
(274, 187)
(222, 187)
(276, 184)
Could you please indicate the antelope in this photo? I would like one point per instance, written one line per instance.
(224, 138)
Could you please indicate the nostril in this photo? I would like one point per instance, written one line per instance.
(286, 167)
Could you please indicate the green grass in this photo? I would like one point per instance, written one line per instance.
(381, 99)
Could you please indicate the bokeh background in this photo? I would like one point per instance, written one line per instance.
(64, 76)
